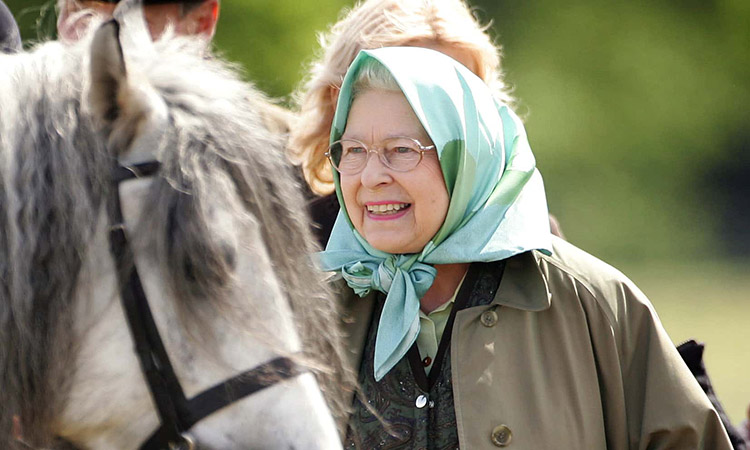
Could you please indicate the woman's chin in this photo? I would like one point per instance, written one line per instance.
(394, 245)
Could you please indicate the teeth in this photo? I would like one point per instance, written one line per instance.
(387, 207)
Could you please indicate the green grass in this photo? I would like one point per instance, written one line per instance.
(709, 302)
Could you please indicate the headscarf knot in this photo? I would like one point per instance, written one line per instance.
(362, 276)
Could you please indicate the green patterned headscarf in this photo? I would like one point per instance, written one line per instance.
(497, 204)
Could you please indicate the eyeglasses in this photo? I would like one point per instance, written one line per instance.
(402, 154)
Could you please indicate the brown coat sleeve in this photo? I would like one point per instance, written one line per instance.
(645, 382)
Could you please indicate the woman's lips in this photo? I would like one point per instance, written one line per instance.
(386, 210)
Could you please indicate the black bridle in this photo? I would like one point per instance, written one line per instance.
(177, 413)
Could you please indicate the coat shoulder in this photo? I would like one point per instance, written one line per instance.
(572, 273)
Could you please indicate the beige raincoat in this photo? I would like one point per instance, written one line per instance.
(569, 355)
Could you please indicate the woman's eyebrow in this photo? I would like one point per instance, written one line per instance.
(351, 137)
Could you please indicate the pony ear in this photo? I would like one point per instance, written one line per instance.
(108, 73)
(118, 104)
(111, 96)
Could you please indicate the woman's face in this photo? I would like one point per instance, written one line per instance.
(416, 201)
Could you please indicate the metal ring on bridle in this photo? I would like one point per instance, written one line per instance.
(187, 443)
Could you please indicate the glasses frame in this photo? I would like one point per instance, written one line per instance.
(379, 151)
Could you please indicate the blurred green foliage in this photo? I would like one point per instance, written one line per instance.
(629, 107)
(632, 108)
(274, 40)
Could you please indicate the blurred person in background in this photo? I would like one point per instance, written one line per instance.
(186, 17)
(197, 18)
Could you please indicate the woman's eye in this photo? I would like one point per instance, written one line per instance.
(356, 150)
(403, 150)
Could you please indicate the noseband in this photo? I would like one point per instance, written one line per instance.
(177, 413)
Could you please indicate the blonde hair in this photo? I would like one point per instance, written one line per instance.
(374, 24)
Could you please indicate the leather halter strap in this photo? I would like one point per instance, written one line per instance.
(177, 413)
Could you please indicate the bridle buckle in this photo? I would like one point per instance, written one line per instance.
(187, 443)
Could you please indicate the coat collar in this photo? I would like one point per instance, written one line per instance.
(524, 286)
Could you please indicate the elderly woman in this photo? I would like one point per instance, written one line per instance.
(444, 25)
(469, 323)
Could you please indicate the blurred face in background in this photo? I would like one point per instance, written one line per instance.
(75, 15)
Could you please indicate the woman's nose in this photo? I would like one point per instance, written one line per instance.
(375, 172)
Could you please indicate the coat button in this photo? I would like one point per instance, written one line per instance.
(501, 436)
(421, 401)
(488, 318)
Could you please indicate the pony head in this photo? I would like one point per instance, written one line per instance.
(219, 237)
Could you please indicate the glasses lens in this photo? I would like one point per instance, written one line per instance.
(348, 156)
(401, 153)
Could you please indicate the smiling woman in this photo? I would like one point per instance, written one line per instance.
(469, 323)
(395, 211)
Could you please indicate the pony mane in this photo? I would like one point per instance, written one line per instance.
(54, 179)
(49, 192)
